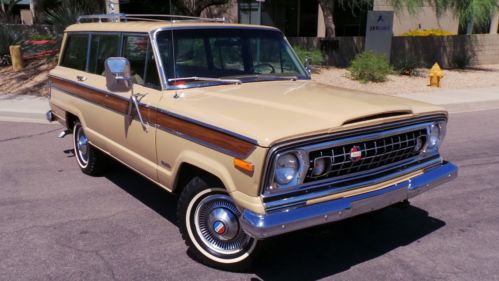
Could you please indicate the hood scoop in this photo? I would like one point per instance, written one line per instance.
(377, 116)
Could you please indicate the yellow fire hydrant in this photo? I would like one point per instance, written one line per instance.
(436, 74)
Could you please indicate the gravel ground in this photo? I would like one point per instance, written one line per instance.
(478, 77)
(32, 80)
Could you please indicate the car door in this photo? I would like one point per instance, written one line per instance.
(128, 140)
(78, 91)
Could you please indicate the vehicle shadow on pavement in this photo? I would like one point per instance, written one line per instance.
(309, 254)
(330, 249)
(151, 195)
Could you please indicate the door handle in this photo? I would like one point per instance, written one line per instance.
(81, 78)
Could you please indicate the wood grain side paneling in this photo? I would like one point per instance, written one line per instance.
(235, 146)
(215, 139)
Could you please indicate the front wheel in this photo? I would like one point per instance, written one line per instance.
(209, 223)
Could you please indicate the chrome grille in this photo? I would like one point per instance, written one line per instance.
(375, 153)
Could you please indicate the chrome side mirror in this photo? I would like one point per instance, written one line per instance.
(117, 71)
(308, 65)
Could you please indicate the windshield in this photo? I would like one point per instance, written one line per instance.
(245, 54)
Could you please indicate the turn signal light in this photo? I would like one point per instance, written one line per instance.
(243, 165)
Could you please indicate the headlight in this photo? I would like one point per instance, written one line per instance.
(286, 168)
(436, 135)
(289, 170)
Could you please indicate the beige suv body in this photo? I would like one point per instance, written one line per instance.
(256, 152)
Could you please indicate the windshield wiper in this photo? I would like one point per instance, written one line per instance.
(208, 79)
(267, 77)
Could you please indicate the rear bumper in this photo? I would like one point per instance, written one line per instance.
(280, 222)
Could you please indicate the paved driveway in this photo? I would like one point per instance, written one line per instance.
(58, 224)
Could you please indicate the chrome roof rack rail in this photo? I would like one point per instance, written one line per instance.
(144, 17)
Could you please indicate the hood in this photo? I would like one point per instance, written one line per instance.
(274, 111)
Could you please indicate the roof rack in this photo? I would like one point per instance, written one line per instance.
(143, 17)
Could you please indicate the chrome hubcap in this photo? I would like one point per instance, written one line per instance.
(82, 146)
(217, 224)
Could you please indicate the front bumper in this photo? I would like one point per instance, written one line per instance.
(275, 223)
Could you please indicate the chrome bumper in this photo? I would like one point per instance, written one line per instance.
(280, 222)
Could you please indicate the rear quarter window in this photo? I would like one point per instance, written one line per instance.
(75, 52)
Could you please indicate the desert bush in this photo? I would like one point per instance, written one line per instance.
(407, 65)
(369, 66)
(427, 32)
(314, 54)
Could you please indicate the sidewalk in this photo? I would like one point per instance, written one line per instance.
(33, 109)
(462, 100)
(23, 109)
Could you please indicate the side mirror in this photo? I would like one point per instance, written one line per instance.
(117, 71)
(308, 65)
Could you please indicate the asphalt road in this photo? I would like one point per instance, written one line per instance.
(58, 224)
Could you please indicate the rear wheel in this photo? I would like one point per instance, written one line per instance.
(91, 160)
(209, 223)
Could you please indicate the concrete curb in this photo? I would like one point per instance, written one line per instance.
(29, 109)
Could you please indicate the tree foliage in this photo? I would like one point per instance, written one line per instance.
(8, 16)
(66, 12)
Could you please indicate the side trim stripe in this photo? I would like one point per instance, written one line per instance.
(204, 134)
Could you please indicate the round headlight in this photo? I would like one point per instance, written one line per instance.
(286, 168)
(320, 166)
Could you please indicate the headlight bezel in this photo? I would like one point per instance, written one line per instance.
(441, 128)
(302, 157)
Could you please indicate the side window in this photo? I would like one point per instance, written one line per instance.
(137, 49)
(75, 52)
(102, 47)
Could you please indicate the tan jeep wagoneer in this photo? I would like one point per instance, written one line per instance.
(226, 116)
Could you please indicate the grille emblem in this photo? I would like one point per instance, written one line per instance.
(355, 154)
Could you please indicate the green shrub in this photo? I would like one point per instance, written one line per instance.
(314, 54)
(408, 65)
(369, 66)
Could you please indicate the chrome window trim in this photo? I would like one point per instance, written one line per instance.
(266, 177)
(159, 62)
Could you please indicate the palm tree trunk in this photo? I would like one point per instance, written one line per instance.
(327, 11)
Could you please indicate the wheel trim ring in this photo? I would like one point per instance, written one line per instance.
(195, 241)
(205, 231)
(81, 157)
